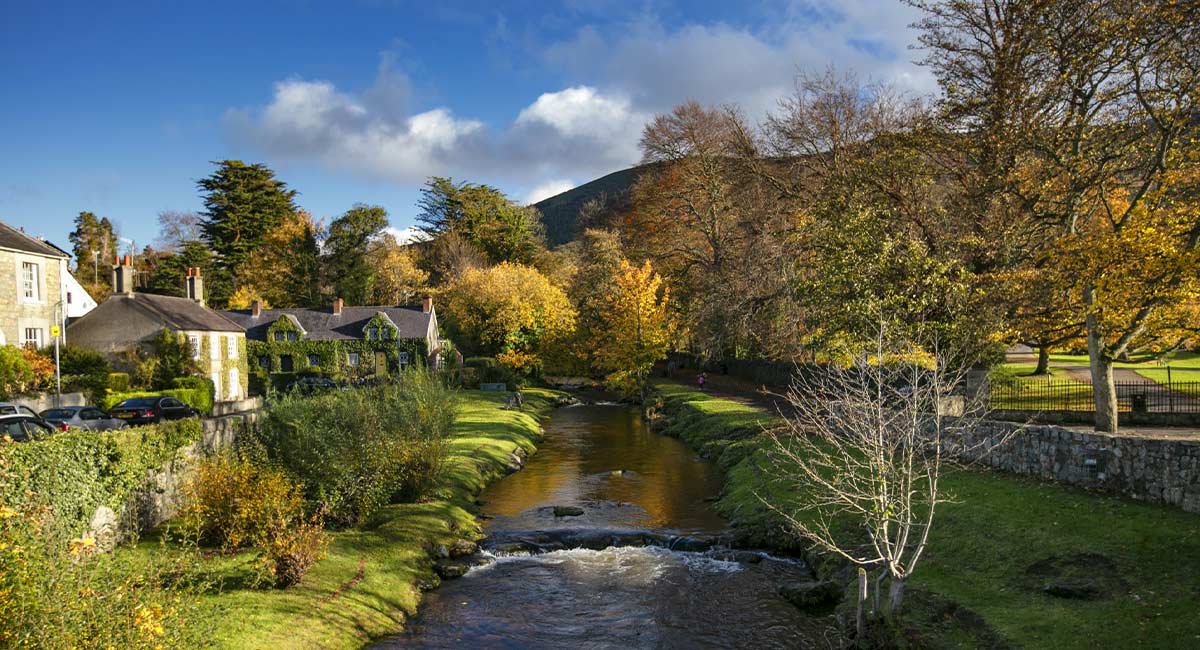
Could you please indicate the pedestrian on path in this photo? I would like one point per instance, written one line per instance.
(701, 378)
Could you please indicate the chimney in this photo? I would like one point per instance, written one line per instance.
(123, 275)
(256, 308)
(337, 306)
(195, 285)
(426, 304)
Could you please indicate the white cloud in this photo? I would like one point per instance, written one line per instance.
(547, 190)
(409, 235)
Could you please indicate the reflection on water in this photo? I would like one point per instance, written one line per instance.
(604, 459)
(606, 453)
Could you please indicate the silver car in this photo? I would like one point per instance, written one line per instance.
(12, 408)
(81, 417)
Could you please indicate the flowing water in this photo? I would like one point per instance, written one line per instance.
(558, 582)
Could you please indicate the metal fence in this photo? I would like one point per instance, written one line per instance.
(1060, 395)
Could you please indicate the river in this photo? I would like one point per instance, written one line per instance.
(557, 582)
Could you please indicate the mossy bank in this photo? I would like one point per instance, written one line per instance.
(981, 582)
(369, 583)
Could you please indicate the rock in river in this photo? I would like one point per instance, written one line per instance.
(809, 595)
(567, 511)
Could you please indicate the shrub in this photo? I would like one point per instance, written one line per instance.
(357, 450)
(235, 503)
(479, 362)
(15, 373)
(84, 370)
(118, 382)
(56, 593)
(174, 359)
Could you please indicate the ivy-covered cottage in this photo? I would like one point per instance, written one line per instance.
(129, 320)
(340, 340)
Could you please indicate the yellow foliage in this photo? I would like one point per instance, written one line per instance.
(636, 328)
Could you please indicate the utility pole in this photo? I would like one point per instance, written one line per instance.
(57, 332)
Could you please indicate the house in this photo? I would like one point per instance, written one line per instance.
(79, 302)
(31, 288)
(130, 319)
(340, 340)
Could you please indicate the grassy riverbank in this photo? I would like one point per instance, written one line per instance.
(982, 545)
(366, 587)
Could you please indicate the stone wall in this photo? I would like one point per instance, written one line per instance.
(42, 401)
(162, 495)
(1154, 470)
(1124, 418)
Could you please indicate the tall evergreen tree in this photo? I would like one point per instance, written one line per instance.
(94, 245)
(348, 267)
(242, 205)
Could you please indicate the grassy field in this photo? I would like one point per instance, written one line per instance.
(983, 544)
(1031, 392)
(366, 587)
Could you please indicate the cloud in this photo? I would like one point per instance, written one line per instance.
(577, 131)
(547, 190)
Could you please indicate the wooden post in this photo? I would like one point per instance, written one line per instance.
(860, 615)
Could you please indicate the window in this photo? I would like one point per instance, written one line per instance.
(314, 359)
(194, 341)
(231, 346)
(286, 364)
(278, 336)
(214, 346)
(373, 334)
(33, 336)
(235, 384)
(68, 297)
(352, 359)
(264, 362)
(31, 289)
(292, 336)
(171, 403)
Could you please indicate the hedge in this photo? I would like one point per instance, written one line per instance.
(200, 399)
(75, 472)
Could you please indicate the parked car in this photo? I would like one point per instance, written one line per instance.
(12, 408)
(312, 385)
(23, 428)
(81, 417)
(147, 410)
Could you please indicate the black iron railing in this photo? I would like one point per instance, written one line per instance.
(1064, 395)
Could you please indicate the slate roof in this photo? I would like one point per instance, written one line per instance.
(179, 313)
(14, 239)
(320, 324)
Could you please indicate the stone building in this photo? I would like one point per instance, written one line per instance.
(32, 298)
(340, 340)
(129, 320)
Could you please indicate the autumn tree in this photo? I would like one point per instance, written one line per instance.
(177, 228)
(1102, 148)
(635, 329)
(398, 278)
(509, 310)
(242, 205)
(94, 246)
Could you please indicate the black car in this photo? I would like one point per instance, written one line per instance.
(147, 410)
(23, 428)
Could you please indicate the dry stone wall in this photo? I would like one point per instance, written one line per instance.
(1154, 470)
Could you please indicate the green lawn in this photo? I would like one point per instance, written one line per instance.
(365, 588)
(982, 544)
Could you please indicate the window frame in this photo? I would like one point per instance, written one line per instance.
(31, 282)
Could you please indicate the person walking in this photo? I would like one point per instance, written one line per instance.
(701, 378)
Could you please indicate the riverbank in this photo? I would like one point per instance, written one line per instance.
(368, 585)
(981, 580)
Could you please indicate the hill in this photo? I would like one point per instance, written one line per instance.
(560, 213)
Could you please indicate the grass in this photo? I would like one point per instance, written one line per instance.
(366, 587)
(982, 544)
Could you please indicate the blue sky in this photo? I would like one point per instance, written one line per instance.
(119, 109)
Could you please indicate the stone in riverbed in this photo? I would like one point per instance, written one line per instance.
(448, 570)
(428, 583)
(567, 511)
(462, 547)
(811, 595)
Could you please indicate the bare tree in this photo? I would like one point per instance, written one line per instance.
(177, 228)
(859, 463)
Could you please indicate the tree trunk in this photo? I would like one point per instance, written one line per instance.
(1104, 393)
(895, 595)
(860, 614)
(1043, 362)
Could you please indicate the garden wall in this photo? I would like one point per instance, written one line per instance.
(42, 401)
(1125, 418)
(1154, 470)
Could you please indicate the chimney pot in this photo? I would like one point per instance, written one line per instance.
(426, 304)
(128, 261)
(256, 308)
(337, 306)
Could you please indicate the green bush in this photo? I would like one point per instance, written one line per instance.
(118, 382)
(357, 450)
(479, 362)
(15, 371)
(76, 471)
(56, 592)
(200, 399)
(83, 370)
